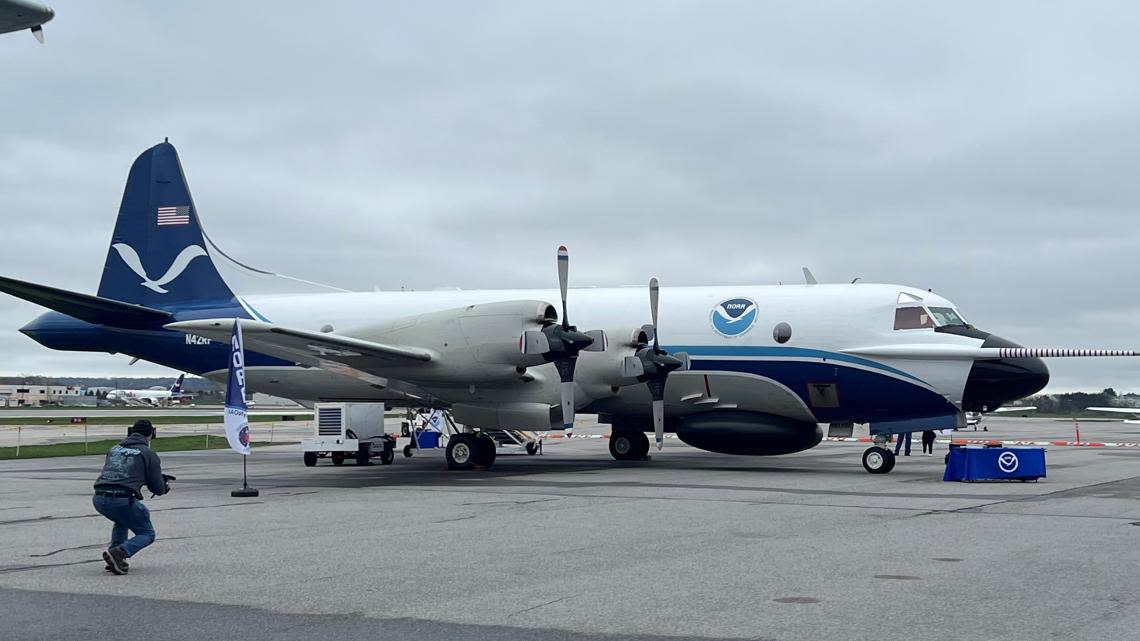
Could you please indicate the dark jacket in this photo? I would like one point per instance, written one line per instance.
(928, 437)
(130, 465)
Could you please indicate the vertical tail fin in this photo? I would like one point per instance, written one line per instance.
(176, 388)
(158, 256)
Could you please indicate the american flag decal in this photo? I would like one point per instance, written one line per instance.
(174, 215)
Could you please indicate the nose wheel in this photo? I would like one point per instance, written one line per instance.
(878, 460)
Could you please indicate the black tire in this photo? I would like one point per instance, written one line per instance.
(629, 445)
(310, 459)
(532, 448)
(387, 456)
(642, 442)
(338, 458)
(408, 451)
(462, 450)
(363, 455)
(488, 451)
(878, 460)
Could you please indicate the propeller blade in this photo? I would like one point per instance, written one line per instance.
(686, 362)
(567, 389)
(563, 275)
(631, 367)
(659, 423)
(534, 342)
(565, 368)
(654, 295)
(600, 341)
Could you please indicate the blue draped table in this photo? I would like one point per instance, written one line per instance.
(995, 464)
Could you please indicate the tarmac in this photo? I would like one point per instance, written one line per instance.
(574, 545)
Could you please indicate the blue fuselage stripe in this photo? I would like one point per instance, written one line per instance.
(760, 353)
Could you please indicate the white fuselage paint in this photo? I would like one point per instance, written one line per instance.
(748, 371)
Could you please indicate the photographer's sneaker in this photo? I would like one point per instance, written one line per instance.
(116, 560)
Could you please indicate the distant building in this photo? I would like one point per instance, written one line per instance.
(38, 395)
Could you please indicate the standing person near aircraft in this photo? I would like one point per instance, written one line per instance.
(899, 443)
(118, 494)
(928, 443)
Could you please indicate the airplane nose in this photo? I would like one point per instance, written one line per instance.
(993, 383)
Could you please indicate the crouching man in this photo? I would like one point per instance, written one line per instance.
(118, 494)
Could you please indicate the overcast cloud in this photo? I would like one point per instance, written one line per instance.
(985, 150)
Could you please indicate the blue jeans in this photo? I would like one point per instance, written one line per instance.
(127, 514)
(899, 443)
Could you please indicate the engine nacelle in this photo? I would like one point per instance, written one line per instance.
(477, 342)
(747, 433)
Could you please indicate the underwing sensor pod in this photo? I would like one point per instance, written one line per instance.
(746, 370)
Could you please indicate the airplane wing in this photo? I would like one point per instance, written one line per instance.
(315, 349)
(93, 309)
(16, 15)
(1134, 412)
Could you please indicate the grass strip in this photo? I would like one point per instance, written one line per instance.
(100, 447)
(64, 421)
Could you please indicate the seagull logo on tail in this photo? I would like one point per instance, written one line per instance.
(181, 262)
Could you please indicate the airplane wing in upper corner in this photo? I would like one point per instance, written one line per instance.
(16, 15)
(314, 349)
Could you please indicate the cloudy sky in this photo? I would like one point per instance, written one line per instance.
(985, 150)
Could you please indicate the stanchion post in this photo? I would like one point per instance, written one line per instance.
(19, 428)
(85, 438)
(1077, 424)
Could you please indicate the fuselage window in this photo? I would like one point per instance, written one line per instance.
(946, 316)
(912, 318)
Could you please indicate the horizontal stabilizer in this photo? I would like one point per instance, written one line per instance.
(965, 352)
(310, 348)
(85, 307)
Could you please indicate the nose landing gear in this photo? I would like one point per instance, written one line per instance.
(878, 459)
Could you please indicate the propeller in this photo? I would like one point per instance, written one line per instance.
(652, 365)
(560, 343)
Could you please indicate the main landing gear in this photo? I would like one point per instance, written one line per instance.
(466, 451)
(878, 459)
(629, 445)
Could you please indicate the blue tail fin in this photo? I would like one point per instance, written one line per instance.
(158, 255)
(176, 388)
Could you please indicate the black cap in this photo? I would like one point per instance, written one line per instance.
(142, 427)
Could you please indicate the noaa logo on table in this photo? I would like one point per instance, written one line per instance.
(1007, 461)
(734, 317)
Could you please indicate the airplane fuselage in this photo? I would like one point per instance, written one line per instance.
(737, 364)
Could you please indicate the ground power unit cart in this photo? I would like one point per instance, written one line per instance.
(343, 430)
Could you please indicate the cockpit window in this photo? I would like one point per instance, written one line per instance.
(946, 316)
(913, 318)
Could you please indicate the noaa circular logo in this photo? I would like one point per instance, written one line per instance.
(1007, 461)
(243, 435)
(734, 317)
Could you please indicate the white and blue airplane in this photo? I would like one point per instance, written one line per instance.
(750, 370)
(153, 396)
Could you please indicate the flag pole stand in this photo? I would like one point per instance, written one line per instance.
(246, 491)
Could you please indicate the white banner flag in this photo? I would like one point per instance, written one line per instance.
(237, 423)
